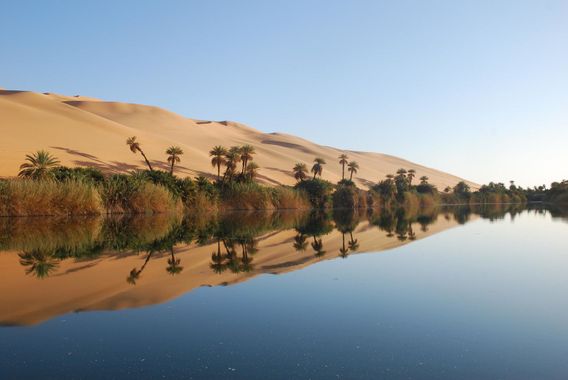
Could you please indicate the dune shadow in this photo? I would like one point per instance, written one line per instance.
(76, 153)
(288, 145)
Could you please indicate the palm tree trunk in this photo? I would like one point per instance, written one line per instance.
(172, 168)
(342, 171)
(351, 177)
(146, 159)
(218, 172)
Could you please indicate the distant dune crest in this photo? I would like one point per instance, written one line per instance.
(85, 131)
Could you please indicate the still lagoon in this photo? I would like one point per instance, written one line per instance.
(448, 293)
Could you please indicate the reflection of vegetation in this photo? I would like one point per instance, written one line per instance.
(174, 266)
(39, 263)
(43, 243)
(317, 246)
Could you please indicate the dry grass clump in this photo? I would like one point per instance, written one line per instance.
(150, 198)
(287, 198)
(24, 197)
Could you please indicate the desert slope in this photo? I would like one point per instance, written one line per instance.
(91, 132)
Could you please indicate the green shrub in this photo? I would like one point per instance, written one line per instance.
(346, 197)
(90, 175)
(318, 192)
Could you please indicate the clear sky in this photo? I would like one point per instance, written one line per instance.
(477, 88)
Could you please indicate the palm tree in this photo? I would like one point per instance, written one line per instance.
(300, 171)
(173, 153)
(352, 168)
(38, 165)
(135, 147)
(247, 152)
(343, 161)
(424, 180)
(173, 264)
(401, 172)
(317, 169)
(252, 170)
(217, 155)
(232, 158)
(389, 176)
(411, 175)
(39, 262)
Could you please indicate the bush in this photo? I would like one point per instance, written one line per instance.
(317, 190)
(90, 175)
(245, 196)
(117, 191)
(133, 194)
(346, 197)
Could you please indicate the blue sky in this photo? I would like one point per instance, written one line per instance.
(476, 88)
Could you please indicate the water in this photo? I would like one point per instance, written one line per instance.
(439, 294)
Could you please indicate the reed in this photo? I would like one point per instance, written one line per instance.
(25, 197)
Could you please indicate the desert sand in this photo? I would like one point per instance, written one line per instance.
(76, 286)
(83, 131)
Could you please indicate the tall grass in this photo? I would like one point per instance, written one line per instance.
(149, 198)
(284, 198)
(252, 196)
(25, 197)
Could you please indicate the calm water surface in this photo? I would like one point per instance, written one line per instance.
(437, 294)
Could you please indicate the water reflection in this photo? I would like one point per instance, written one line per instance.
(61, 265)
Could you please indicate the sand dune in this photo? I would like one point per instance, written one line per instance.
(91, 132)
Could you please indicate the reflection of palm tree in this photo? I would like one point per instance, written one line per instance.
(232, 260)
(317, 245)
(411, 233)
(353, 243)
(343, 251)
(246, 260)
(218, 260)
(300, 243)
(39, 262)
(135, 273)
(401, 236)
(173, 264)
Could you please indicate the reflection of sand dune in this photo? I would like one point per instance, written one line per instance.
(91, 132)
(100, 284)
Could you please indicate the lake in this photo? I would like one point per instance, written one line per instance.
(448, 293)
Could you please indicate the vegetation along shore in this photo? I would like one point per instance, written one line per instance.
(44, 187)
